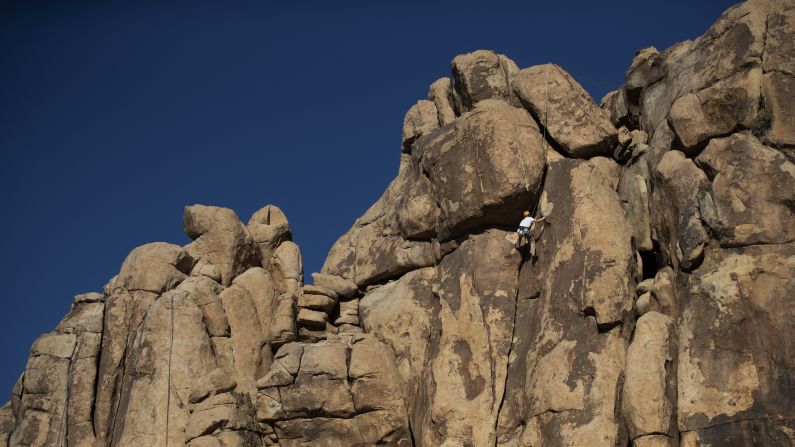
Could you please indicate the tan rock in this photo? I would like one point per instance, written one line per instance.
(289, 355)
(664, 292)
(735, 42)
(375, 248)
(268, 228)
(753, 190)
(648, 392)
(349, 307)
(331, 401)
(421, 118)
(260, 287)
(276, 376)
(287, 268)
(679, 184)
(224, 411)
(374, 252)
(224, 354)
(56, 390)
(316, 302)
(567, 356)
(203, 268)
(154, 267)
(718, 109)
(240, 438)
(644, 304)
(91, 297)
(639, 137)
(446, 334)
(615, 103)
(481, 75)
(246, 336)
(566, 110)
(777, 121)
(283, 322)
(633, 188)
(170, 351)
(314, 289)
(692, 237)
(441, 93)
(204, 293)
(343, 287)
(312, 318)
(55, 345)
(124, 314)
(417, 212)
(269, 408)
(375, 386)
(220, 239)
(403, 315)
(85, 316)
(317, 396)
(778, 83)
(215, 382)
(501, 148)
(204, 441)
(610, 169)
(359, 431)
(646, 68)
(732, 366)
(347, 320)
(477, 304)
(644, 286)
(779, 45)
(82, 385)
(7, 423)
(654, 441)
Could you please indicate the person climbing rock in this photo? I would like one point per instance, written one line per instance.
(525, 231)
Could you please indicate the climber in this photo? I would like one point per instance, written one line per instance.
(525, 231)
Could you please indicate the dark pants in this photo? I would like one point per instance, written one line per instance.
(526, 235)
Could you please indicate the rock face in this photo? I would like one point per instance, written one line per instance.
(569, 114)
(654, 310)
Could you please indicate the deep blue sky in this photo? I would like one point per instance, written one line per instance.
(113, 117)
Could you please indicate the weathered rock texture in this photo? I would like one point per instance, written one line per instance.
(656, 310)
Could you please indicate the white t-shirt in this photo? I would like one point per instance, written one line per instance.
(527, 222)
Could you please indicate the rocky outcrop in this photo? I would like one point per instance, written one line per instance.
(340, 391)
(564, 108)
(573, 314)
(653, 309)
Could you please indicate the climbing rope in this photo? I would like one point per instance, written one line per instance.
(170, 349)
(546, 101)
(544, 143)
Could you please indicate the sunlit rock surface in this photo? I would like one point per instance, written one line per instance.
(656, 310)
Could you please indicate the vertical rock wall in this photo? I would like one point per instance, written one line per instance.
(656, 309)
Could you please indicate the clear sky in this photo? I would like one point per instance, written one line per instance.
(113, 117)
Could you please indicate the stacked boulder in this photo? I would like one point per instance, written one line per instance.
(347, 313)
(314, 307)
(327, 307)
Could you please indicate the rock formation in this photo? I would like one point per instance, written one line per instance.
(656, 311)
